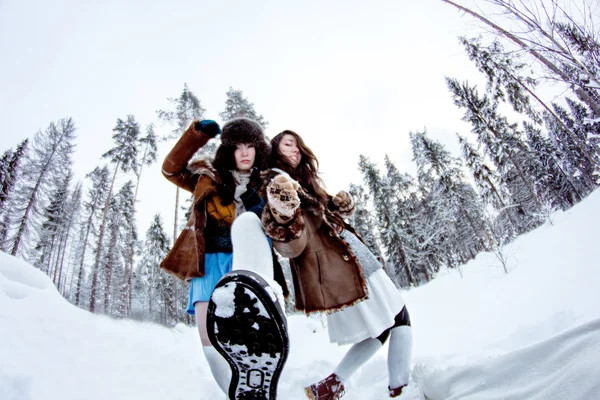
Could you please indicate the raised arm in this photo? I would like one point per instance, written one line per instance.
(174, 166)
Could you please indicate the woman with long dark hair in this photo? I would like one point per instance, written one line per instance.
(333, 270)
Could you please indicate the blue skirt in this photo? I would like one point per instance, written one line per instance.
(216, 265)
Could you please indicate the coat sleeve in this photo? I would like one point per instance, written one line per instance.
(174, 167)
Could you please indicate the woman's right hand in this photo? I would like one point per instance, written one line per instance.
(282, 196)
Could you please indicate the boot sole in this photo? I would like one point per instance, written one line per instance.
(247, 327)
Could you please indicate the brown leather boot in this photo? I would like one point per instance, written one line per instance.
(330, 388)
(397, 391)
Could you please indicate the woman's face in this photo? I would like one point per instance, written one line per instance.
(288, 147)
(244, 157)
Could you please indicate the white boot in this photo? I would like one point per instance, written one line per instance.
(399, 356)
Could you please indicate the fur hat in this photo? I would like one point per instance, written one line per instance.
(238, 131)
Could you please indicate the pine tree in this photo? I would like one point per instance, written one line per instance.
(148, 157)
(393, 236)
(362, 220)
(237, 106)
(9, 172)
(126, 201)
(54, 224)
(72, 212)
(123, 155)
(49, 158)
(491, 189)
(502, 143)
(187, 108)
(543, 31)
(155, 249)
(97, 194)
(559, 187)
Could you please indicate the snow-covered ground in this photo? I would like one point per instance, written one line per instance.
(533, 333)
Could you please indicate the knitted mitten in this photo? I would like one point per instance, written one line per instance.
(343, 203)
(282, 195)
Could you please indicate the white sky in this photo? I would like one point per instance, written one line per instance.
(351, 77)
(533, 334)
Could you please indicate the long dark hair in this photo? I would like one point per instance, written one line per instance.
(224, 163)
(307, 171)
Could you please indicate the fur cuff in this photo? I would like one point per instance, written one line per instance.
(282, 233)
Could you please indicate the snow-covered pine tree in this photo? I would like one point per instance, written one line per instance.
(148, 144)
(154, 250)
(393, 235)
(123, 155)
(584, 172)
(237, 106)
(502, 143)
(55, 221)
(535, 29)
(50, 157)
(439, 213)
(491, 189)
(504, 75)
(9, 172)
(362, 220)
(187, 107)
(504, 83)
(97, 194)
(126, 245)
(556, 184)
(72, 213)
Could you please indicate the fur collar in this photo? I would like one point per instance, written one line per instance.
(203, 166)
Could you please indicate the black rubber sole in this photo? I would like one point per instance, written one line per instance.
(247, 327)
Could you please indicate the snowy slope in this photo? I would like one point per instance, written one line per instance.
(531, 334)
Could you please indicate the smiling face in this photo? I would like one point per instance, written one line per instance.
(288, 147)
(244, 157)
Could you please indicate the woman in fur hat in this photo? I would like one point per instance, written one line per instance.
(223, 190)
(333, 270)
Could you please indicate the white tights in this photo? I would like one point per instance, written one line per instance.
(398, 361)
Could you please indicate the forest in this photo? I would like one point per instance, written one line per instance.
(525, 157)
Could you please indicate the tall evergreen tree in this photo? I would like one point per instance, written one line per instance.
(148, 157)
(362, 220)
(393, 235)
(49, 158)
(9, 171)
(502, 143)
(123, 155)
(155, 249)
(490, 187)
(554, 181)
(52, 227)
(72, 212)
(237, 106)
(187, 107)
(536, 29)
(126, 248)
(97, 194)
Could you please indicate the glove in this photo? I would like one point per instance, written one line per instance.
(343, 203)
(282, 195)
(209, 127)
(253, 202)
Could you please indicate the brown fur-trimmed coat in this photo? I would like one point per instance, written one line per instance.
(326, 274)
(186, 258)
